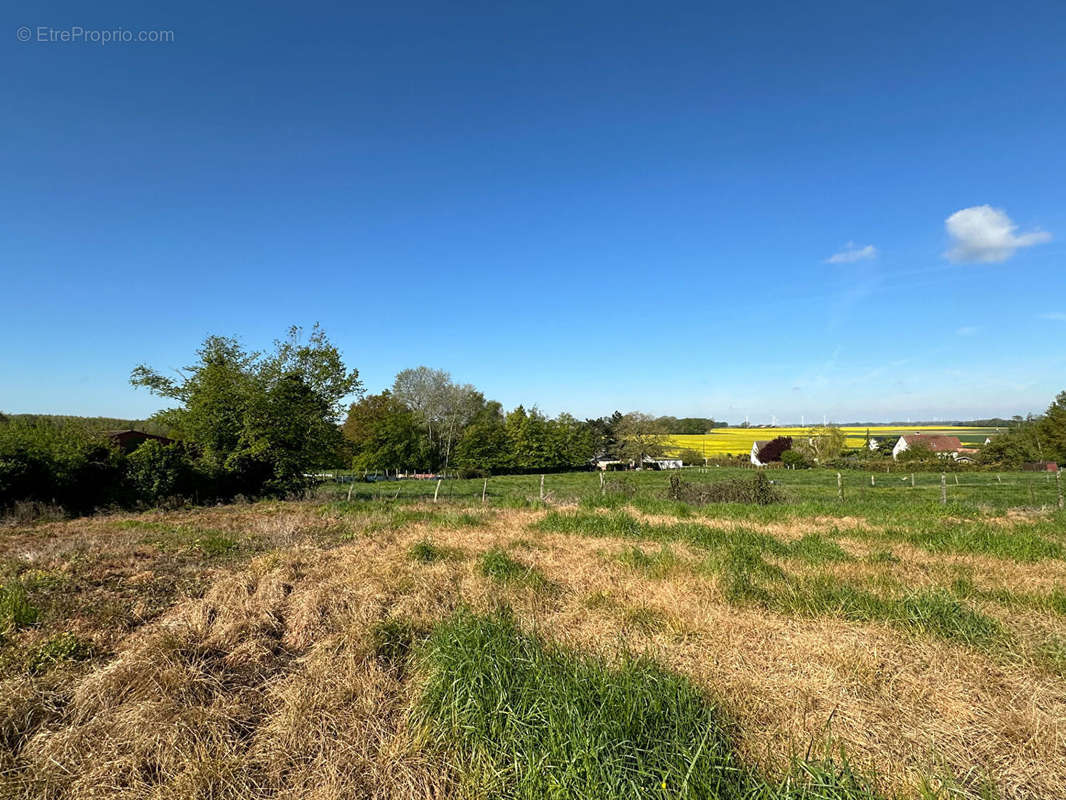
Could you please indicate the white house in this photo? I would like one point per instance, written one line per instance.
(755, 448)
(662, 463)
(945, 446)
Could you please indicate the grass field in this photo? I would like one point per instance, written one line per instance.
(737, 441)
(590, 644)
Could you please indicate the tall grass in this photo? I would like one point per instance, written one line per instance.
(16, 611)
(520, 718)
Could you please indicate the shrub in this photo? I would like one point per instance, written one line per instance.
(59, 462)
(794, 459)
(690, 457)
(156, 471)
(756, 490)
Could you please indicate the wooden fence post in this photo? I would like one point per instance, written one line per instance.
(912, 480)
(541, 487)
(484, 490)
(943, 489)
(872, 483)
(603, 486)
(840, 488)
(1058, 483)
(436, 490)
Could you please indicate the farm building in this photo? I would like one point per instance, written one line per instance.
(129, 440)
(946, 446)
(767, 451)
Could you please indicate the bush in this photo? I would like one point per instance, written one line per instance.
(757, 490)
(690, 457)
(794, 459)
(59, 462)
(157, 471)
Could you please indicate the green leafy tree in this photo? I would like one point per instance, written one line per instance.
(258, 421)
(485, 445)
(640, 436)
(385, 434)
(821, 444)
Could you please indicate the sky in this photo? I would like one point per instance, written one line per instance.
(735, 210)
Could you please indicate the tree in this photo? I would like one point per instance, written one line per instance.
(573, 442)
(485, 446)
(422, 390)
(458, 406)
(444, 407)
(640, 436)
(258, 422)
(1040, 438)
(530, 445)
(821, 444)
(384, 434)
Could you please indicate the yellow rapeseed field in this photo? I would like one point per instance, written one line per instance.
(736, 441)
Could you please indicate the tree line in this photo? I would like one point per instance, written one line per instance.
(261, 423)
(425, 422)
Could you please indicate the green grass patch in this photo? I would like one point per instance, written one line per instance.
(66, 647)
(981, 538)
(518, 717)
(882, 556)
(657, 564)
(814, 548)
(424, 551)
(16, 611)
(935, 612)
(503, 568)
(214, 543)
(644, 619)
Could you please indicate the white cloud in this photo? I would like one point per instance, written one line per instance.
(983, 233)
(851, 253)
(967, 330)
(1059, 316)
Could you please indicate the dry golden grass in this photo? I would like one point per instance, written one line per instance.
(268, 683)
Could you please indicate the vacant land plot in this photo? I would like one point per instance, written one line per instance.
(590, 645)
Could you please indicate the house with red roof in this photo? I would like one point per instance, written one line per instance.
(944, 446)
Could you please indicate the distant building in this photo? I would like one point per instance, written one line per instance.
(608, 463)
(662, 463)
(765, 452)
(946, 446)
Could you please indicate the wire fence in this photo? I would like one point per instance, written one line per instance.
(851, 487)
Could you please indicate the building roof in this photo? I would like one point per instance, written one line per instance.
(938, 444)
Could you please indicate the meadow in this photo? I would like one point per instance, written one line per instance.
(738, 441)
(586, 641)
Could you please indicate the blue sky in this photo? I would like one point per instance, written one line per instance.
(794, 209)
